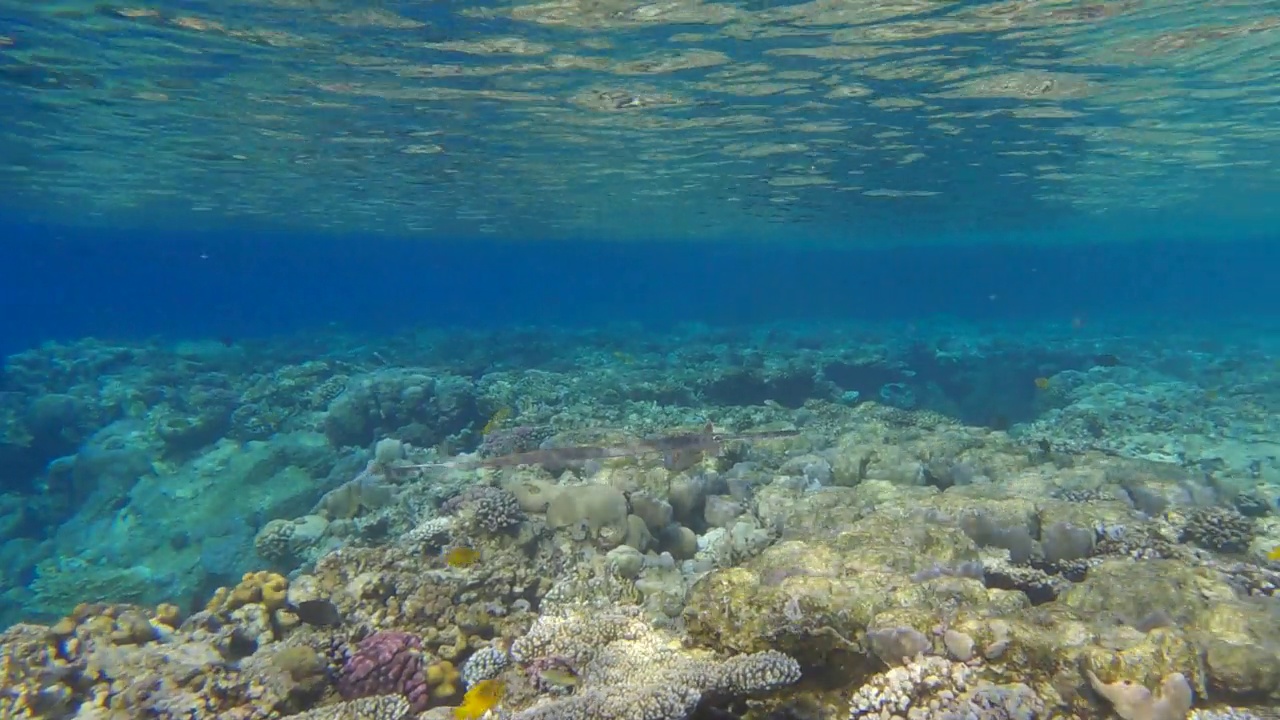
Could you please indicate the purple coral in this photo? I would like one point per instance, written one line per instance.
(494, 509)
(508, 441)
(387, 662)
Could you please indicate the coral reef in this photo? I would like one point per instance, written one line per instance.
(349, 538)
(114, 661)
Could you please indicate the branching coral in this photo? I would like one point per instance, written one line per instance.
(1219, 528)
(487, 508)
(933, 688)
(629, 671)
(486, 663)
(384, 707)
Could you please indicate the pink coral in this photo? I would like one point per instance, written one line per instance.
(387, 663)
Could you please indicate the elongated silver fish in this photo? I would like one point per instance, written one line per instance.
(679, 451)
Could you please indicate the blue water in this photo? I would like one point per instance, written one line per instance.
(63, 284)
(279, 279)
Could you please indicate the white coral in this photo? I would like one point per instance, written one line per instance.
(630, 671)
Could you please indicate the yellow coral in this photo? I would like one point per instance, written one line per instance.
(459, 646)
(132, 627)
(275, 587)
(168, 614)
(264, 587)
(443, 677)
(218, 600)
(121, 624)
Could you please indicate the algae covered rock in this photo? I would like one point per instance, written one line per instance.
(1240, 640)
(413, 404)
(596, 509)
(283, 542)
(800, 513)
(1159, 617)
(1135, 593)
(534, 495)
(811, 598)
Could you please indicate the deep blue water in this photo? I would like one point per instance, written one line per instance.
(64, 284)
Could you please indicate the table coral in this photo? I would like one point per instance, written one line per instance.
(62, 582)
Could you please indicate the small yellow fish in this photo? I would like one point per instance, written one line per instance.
(461, 556)
(480, 699)
(1274, 555)
(496, 420)
(560, 677)
(1042, 383)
